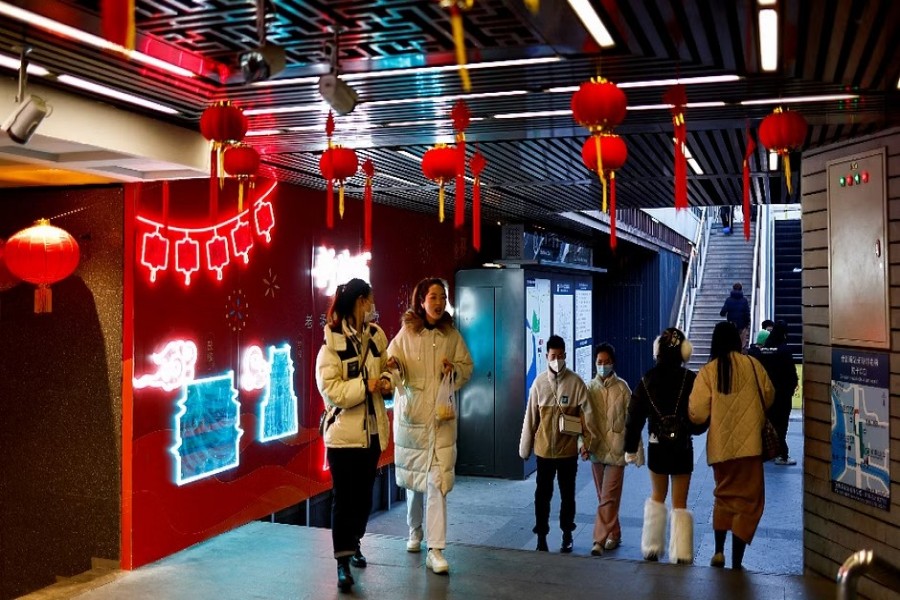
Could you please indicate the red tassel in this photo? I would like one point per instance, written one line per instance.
(165, 206)
(213, 184)
(476, 214)
(681, 199)
(367, 215)
(117, 22)
(748, 154)
(329, 204)
(612, 210)
(459, 210)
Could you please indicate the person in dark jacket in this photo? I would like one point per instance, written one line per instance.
(779, 364)
(736, 310)
(661, 400)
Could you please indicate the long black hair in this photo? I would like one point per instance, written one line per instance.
(725, 340)
(345, 301)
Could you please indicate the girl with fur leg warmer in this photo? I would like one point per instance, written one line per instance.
(661, 401)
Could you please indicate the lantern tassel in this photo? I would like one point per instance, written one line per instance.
(240, 197)
(165, 206)
(117, 22)
(213, 186)
(600, 169)
(459, 211)
(367, 215)
(476, 214)
(612, 210)
(329, 204)
(748, 154)
(441, 202)
(681, 199)
(460, 43)
(43, 299)
(533, 5)
(787, 173)
(341, 199)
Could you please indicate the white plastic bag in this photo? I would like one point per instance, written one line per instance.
(445, 403)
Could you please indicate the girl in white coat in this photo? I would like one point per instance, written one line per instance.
(427, 348)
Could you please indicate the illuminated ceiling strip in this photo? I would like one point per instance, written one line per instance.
(13, 63)
(768, 39)
(799, 99)
(540, 113)
(257, 132)
(591, 21)
(323, 107)
(318, 106)
(400, 179)
(111, 93)
(52, 26)
(212, 228)
(659, 83)
(348, 127)
(438, 122)
(409, 155)
(414, 71)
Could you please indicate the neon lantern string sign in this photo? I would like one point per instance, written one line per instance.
(156, 244)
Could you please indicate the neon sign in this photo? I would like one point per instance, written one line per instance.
(331, 268)
(207, 429)
(255, 369)
(278, 410)
(176, 364)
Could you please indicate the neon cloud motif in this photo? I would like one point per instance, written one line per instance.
(278, 410)
(255, 369)
(176, 364)
(207, 429)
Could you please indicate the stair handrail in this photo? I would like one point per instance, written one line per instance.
(754, 287)
(865, 562)
(694, 276)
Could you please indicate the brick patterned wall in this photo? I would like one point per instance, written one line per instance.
(835, 526)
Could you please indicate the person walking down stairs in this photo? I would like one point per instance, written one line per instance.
(736, 310)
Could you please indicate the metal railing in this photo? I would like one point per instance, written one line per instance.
(865, 563)
(758, 268)
(694, 275)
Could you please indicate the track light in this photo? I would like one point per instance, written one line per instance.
(262, 63)
(22, 123)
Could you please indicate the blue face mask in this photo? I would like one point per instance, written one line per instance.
(604, 370)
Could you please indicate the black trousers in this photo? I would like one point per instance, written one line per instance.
(780, 415)
(353, 477)
(564, 470)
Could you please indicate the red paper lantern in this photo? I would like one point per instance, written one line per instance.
(242, 162)
(599, 105)
(440, 164)
(223, 123)
(42, 255)
(604, 154)
(7, 279)
(337, 164)
(784, 131)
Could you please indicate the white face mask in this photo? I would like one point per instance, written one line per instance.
(370, 314)
(604, 370)
(557, 365)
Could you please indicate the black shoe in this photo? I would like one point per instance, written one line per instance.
(345, 579)
(566, 546)
(358, 560)
(542, 544)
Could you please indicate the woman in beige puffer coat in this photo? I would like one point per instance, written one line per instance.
(427, 348)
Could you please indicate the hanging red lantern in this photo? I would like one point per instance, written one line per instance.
(784, 131)
(337, 164)
(117, 22)
(368, 168)
(676, 96)
(222, 124)
(461, 116)
(241, 162)
(42, 255)
(614, 153)
(748, 154)
(7, 279)
(439, 164)
(599, 105)
(478, 163)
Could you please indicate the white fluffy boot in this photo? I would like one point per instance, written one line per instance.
(653, 536)
(681, 537)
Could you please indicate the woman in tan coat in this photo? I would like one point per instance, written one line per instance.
(732, 392)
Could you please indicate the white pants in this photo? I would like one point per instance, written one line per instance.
(435, 505)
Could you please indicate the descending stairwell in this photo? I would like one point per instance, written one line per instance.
(729, 258)
(788, 287)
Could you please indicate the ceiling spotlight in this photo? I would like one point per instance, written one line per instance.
(31, 110)
(340, 96)
(262, 63)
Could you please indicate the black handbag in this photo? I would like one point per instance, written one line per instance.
(669, 428)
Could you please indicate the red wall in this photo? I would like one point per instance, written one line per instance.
(282, 307)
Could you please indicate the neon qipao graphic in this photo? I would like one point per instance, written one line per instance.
(278, 410)
(207, 428)
(207, 413)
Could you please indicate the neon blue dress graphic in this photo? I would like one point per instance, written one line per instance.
(207, 428)
(278, 410)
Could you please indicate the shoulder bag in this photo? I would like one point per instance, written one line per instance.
(771, 442)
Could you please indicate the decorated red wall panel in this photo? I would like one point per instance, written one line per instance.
(203, 462)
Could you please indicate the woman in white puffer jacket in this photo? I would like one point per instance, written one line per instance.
(427, 348)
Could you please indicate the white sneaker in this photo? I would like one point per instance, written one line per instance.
(436, 561)
(414, 543)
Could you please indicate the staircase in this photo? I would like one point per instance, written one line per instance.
(729, 258)
(788, 286)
